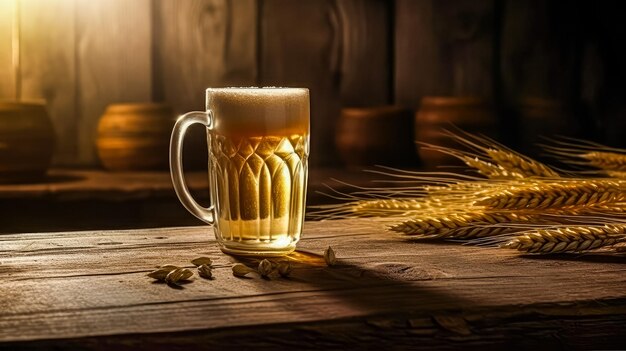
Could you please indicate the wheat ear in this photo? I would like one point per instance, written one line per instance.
(490, 170)
(616, 174)
(567, 239)
(460, 226)
(609, 161)
(386, 207)
(547, 195)
(509, 160)
(514, 163)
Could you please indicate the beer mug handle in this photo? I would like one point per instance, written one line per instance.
(176, 163)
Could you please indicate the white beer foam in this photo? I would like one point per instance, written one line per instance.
(259, 111)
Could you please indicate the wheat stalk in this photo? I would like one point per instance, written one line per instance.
(518, 164)
(568, 239)
(544, 195)
(460, 226)
(515, 164)
(610, 161)
(437, 198)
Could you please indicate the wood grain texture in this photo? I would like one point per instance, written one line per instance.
(540, 71)
(604, 71)
(200, 44)
(539, 53)
(7, 73)
(506, 330)
(92, 285)
(48, 68)
(365, 52)
(337, 49)
(301, 46)
(443, 48)
(113, 57)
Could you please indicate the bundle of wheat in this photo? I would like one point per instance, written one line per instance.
(513, 199)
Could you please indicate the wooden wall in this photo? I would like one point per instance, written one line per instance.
(546, 66)
(79, 56)
(338, 49)
(7, 84)
(443, 48)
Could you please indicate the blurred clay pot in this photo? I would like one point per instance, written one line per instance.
(439, 113)
(135, 136)
(541, 118)
(376, 135)
(27, 141)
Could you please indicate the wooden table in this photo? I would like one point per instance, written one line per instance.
(80, 290)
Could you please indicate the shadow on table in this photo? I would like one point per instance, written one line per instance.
(605, 256)
(387, 288)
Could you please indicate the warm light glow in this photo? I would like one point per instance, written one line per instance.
(15, 48)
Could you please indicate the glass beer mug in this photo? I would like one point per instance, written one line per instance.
(258, 140)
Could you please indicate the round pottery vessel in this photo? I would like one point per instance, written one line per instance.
(380, 135)
(27, 141)
(439, 113)
(541, 118)
(135, 136)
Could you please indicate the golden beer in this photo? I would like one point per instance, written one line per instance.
(258, 152)
(259, 186)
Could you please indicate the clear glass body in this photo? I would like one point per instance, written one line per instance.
(258, 154)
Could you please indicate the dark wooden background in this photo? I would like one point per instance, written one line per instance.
(79, 56)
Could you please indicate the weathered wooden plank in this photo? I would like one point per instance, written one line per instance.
(113, 54)
(443, 48)
(7, 72)
(365, 52)
(337, 49)
(301, 46)
(540, 56)
(71, 285)
(540, 70)
(48, 67)
(560, 329)
(201, 44)
(604, 70)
